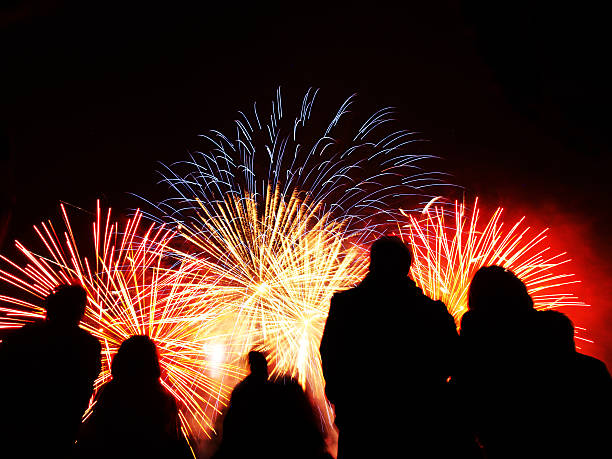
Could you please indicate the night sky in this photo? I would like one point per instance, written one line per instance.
(516, 99)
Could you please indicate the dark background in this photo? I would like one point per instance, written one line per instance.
(515, 97)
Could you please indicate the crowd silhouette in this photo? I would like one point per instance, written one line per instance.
(402, 381)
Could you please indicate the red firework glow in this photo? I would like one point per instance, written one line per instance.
(449, 247)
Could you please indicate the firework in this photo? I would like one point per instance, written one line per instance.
(261, 279)
(449, 247)
(267, 223)
(273, 217)
(274, 269)
(358, 175)
(131, 291)
(263, 227)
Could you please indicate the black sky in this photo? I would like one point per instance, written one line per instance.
(516, 98)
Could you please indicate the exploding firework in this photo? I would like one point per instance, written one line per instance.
(268, 224)
(263, 228)
(274, 217)
(131, 291)
(263, 281)
(275, 269)
(358, 176)
(449, 247)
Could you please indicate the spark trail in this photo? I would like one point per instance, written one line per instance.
(132, 290)
(449, 247)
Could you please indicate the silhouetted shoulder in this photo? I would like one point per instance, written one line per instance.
(349, 295)
(438, 307)
(342, 302)
(89, 340)
(590, 366)
(21, 334)
(434, 308)
(18, 347)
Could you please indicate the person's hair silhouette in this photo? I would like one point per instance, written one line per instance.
(389, 256)
(258, 365)
(494, 289)
(65, 306)
(49, 368)
(134, 415)
(136, 361)
(556, 332)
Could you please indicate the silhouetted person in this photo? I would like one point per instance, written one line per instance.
(501, 379)
(298, 431)
(48, 370)
(387, 352)
(134, 415)
(268, 419)
(255, 381)
(245, 419)
(575, 405)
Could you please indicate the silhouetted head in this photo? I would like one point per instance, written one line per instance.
(390, 257)
(498, 290)
(66, 305)
(258, 364)
(136, 360)
(556, 331)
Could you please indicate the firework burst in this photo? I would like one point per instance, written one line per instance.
(131, 291)
(263, 227)
(272, 221)
(267, 228)
(358, 176)
(449, 247)
(274, 270)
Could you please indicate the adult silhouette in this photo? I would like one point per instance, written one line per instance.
(255, 381)
(270, 419)
(576, 402)
(298, 431)
(500, 378)
(134, 415)
(245, 421)
(48, 370)
(387, 352)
